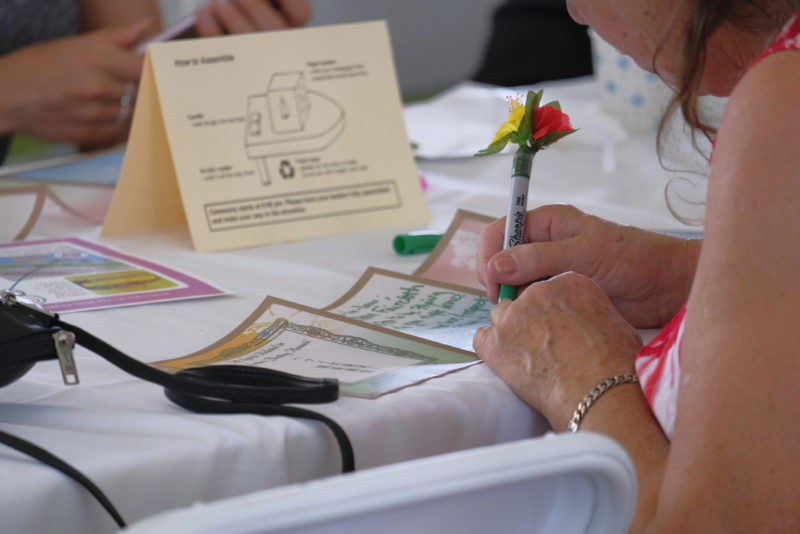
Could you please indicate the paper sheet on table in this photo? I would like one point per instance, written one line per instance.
(73, 274)
(453, 258)
(463, 120)
(432, 310)
(269, 137)
(22, 205)
(90, 168)
(368, 360)
(390, 330)
(21, 208)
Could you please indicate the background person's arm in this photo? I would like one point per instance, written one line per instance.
(100, 14)
(243, 16)
(69, 89)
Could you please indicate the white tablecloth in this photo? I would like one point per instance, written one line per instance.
(149, 455)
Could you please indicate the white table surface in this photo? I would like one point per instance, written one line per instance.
(149, 455)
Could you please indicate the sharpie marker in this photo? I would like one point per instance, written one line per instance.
(517, 206)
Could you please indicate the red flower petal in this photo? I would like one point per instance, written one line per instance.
(550, 119)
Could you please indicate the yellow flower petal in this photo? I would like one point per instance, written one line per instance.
(513, 121)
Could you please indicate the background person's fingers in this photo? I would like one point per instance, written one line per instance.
(206, 25)
(230, 17)
(296, 12)
(262, 15)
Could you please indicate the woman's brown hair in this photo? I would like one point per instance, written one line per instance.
(705, 17)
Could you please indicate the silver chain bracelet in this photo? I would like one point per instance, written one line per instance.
(594, 394)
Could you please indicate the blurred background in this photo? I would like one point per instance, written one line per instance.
(441, 44)
(436, 44)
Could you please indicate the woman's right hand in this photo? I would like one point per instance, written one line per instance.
(646, 275)
(69, 89)
(221, 17)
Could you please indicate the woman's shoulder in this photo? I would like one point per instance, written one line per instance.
(756, 157)
(781, 63)
(764, 108)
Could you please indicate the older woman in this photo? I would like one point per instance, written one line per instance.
(706, 410)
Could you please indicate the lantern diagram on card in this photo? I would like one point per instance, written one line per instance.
(289, 119)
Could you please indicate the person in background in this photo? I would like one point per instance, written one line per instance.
(68, 68)
(707, 409)
(534, 41)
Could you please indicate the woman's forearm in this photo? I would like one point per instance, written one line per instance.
(623, 414)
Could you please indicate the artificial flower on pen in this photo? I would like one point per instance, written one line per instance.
(531, 125)
(533, 128)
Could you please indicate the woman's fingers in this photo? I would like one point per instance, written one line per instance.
(555, 341)
(549, 249)
(534, 261)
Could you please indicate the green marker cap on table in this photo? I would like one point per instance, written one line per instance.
(415, 244)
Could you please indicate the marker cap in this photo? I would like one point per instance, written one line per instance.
(415, 244)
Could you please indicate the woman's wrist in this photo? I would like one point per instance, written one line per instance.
(595, 394)
(681, 261)
(571, 394)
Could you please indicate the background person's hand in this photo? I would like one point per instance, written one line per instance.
(243, 16)
(646, 275)
(555, 342)
(70, 89)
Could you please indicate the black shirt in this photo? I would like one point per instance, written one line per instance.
(533, 41)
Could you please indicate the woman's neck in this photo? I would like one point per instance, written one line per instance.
(731, 50)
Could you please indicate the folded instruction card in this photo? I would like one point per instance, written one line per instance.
(269, 137)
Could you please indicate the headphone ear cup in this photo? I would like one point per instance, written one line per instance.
(258, 385)
(25, 338)
(13, 373)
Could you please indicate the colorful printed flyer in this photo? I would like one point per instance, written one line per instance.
(72, 274)
(269, 137)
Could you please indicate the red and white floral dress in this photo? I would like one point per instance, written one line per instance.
(659, 362)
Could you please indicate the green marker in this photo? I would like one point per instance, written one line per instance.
(415, 243)
(517, 206)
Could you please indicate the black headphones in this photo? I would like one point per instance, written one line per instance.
(30, 333)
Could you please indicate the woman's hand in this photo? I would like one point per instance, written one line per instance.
(646, 275)
(555, 342)
(69, 90)
(243, 16)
